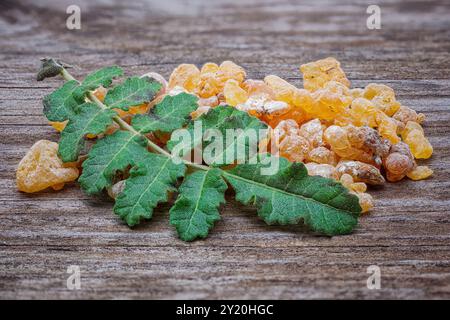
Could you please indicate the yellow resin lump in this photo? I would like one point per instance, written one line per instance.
(41, 168)
(318, 73)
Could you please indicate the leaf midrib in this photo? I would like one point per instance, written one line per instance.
(217, 125)
(124, 98)
(93, 81)
(286, 193)
(84, 129)
(156, 119)
(198, 201)
(150, 184)
(115, 156)
(63, 105)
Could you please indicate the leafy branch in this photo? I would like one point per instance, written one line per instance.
(286, 197)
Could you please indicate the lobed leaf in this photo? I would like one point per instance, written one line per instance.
(170, 114)
(219, 120)
(132, 92)
(102, 77)
(87, 119)
(195, 210)
(111, 154)
(60, 105)
(148, 184)
(291, 195)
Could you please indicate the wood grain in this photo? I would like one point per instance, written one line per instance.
(407, 234)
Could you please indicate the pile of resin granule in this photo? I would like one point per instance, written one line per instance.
(353, 135)
(348, 134)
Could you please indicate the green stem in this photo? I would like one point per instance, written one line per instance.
(125, 126)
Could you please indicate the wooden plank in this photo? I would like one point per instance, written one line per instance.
(407, 234)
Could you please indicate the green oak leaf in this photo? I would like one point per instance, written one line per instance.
(170, 114)
(218, 121)
(291, 195)
(87, 119)
(60, 105)
(148, 184)
(132, 92)
(195, 210)
(102, 77)
(109, 155)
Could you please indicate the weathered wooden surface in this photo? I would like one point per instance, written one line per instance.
(407, 235)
